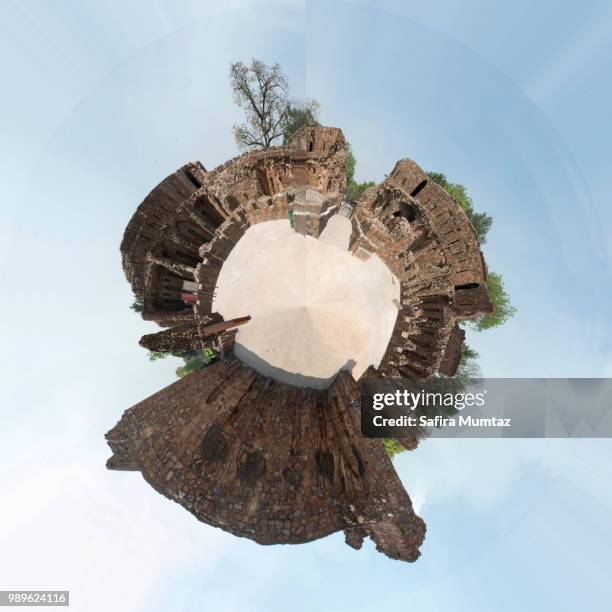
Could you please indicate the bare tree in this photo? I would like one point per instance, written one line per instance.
(263, 92)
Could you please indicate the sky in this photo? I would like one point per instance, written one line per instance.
(103, 99)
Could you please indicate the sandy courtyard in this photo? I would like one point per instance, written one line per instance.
(316, 308)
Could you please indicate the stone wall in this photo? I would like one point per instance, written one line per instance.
(427, 241)
(179, 237)
(311, 210)
(253, 456)
(268, 461)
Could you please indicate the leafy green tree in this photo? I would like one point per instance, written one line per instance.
(155, 355)
(480, 221)
(468, 353)
(468, 365)
(354, 190)
(190, 366)
(393, 447)
(502, 308)
(298, 115)
(351, 162)
(137, 304)
(196, 360)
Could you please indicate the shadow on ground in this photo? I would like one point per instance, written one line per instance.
(252, 360)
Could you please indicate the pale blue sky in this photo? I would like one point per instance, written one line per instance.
(102, 99)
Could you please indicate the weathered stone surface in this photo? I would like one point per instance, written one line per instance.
(427, 241)
(310, 211)
(267, 461)
(452, 354)
(256, 457)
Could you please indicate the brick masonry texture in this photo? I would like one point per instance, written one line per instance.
(268, 461)
(259, 458)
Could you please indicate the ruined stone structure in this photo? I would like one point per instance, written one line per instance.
(426, 240)
(265, 460)
(256, 457)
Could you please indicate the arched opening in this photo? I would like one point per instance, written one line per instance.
(419, 188)
(406, 211)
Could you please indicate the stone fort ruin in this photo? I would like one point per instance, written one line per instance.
(257, 457)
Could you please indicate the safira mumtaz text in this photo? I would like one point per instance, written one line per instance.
(440, 421)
